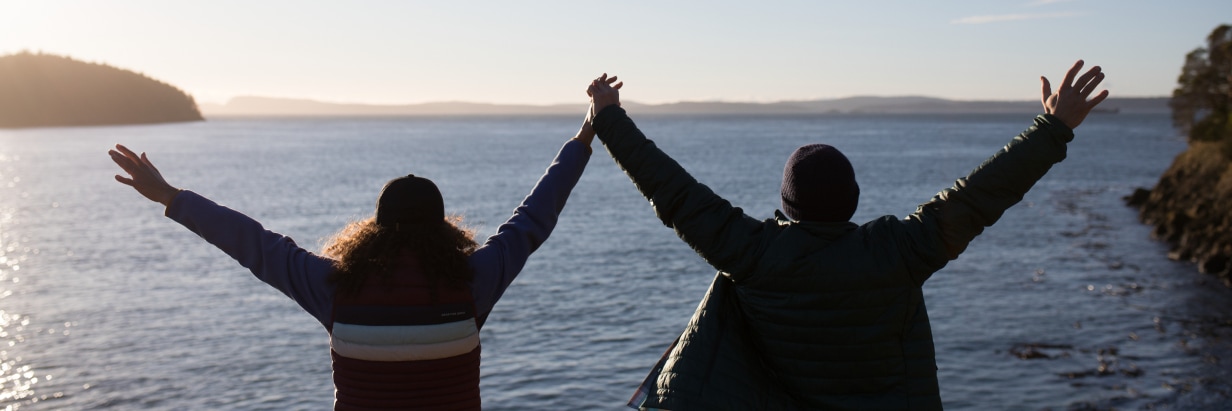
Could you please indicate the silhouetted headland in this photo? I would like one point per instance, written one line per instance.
(45, 90)
(268, 106)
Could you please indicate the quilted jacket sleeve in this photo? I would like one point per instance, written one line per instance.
(941, 228)
(721, 233)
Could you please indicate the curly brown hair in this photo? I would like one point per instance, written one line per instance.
(364, 249)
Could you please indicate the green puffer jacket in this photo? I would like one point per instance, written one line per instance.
(807, 315)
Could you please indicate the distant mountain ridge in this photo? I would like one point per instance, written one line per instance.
(46, 90)
(269, 106)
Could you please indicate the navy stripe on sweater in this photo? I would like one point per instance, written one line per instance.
(404, 315)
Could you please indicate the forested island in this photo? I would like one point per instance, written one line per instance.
(45, 90)
(1191, 206)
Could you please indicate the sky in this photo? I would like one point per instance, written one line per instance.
(546, 52)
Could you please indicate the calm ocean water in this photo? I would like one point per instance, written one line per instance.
(105, 304)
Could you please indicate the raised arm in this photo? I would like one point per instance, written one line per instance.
(721, 233)
(942, 228)
(500, 259)
(272, 258)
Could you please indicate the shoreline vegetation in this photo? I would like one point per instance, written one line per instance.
(47, 90)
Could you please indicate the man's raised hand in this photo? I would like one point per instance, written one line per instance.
(1070, 102)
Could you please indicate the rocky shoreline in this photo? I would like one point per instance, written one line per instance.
(1189, 209)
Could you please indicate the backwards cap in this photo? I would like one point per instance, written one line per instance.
(409, 200)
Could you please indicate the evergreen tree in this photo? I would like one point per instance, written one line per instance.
(1202, 102)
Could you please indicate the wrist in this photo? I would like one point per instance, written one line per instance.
(169, 196)
(585, 144)
(605, 109)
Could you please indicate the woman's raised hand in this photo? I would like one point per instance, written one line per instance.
(143, 176)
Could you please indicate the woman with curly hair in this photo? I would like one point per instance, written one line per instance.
(403, 294)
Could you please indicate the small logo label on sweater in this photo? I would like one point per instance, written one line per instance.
(453, 314)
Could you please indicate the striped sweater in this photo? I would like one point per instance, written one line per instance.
(301, 275)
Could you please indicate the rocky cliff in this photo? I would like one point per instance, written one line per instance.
(1190, 209)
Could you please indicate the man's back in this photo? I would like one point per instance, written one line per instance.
(815, 315)
(839, 316)
(822, 314)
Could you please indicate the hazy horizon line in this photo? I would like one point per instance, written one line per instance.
(895, 96)
(276, 106)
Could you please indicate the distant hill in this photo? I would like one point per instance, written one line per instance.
(45, 90)
(269, 106)
(266, 106)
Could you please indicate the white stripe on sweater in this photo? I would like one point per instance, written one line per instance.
(404, 352)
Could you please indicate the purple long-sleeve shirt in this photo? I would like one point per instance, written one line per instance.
(301, 275)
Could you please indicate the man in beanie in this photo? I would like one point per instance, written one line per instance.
(809, 310)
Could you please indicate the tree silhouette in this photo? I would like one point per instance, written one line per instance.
(1202, 100)
(38, 90)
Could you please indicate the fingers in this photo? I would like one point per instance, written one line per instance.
(137, 166)
(1083, 85)
(1046, 91)
(1090, 86)
(127, 153)
(1084, 81)
(602, 83)
(124, 162)
(1069, 76)
(131, 163)
(604, 80)
(147, 162)
(1099, 98)
(1086, 77)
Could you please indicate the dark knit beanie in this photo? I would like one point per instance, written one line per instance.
(409, 200)
(819, 185)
